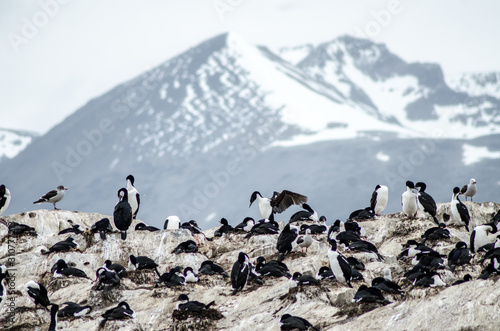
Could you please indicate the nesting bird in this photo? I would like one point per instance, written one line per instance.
(73, 309)
(62, 246)
(209, 268)
(53, 196)
(102, 227)
(193, 306)
(120, 312)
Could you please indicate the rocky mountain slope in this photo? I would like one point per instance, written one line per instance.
(470, 306)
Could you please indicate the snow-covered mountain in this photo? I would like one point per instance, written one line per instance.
(12, 142)
(476, 84)
(206, 128)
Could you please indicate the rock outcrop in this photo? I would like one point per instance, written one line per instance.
(470, 306)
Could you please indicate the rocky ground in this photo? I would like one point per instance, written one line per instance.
(469, 306)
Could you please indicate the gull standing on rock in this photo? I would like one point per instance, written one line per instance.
(469, 190)
(53, 196)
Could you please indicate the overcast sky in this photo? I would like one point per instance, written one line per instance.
(54, 63)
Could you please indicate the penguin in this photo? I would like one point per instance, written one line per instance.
(278, 203)
(74, 228)
(144, 227)
(426, 202)
(143, 263)
(192, 306)
(285, 240)
(61, 269)
(53, 196)
(379, 200)
(460, 255)
(73, 309)
(120, 312)
(289, 322)
(209, 268)
(190, 276)
(4, 273)
(308, 214)
(188, 246)
(119, 269)
(339, 265)
(4, 198)
(409, 201)
(479, 236)
(62, 246)
(469, 190)
(106, 279)
(306, 240)
(304, 279)
(246, 225)
(53, 317)
(122, 216)
(459, 211)
(172, 223)
(225, 228)
(102, 227)
(370, 295)
(38, 293)
(133, 196)
(240, 272)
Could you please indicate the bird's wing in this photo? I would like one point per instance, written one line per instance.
(464, 189)
(427, 201)
(49, 195)
(280, 202)
(373, 200)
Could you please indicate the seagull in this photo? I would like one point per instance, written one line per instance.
(53, 196)
(469, 190)
(278, 203)
(4, 198)
(133, 196)
(305, 241)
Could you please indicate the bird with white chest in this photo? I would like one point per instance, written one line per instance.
(134, 198)
(409, 201)
(379, 200)
(459, 211)
(469, 190)
(4, 198)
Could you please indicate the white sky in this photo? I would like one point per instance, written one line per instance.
(90, 46)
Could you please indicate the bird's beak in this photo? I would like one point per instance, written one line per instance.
(65, 188)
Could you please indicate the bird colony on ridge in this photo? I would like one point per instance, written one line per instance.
(302, 230)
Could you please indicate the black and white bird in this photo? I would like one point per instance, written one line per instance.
(325, 273)
(4, 198)
(278, 203)
(386, 285)
(264, 226)
(62, 246)
(289, 322)
(172, 223)
(333, 230)
(209, 268)
(339, 265)
(72, 309)
(362, 214)
(285, 240)
(436, 233)
(370, 295)
(272, 268)
(469, 190)
(308, 214)
(144, 263)
(122, 216)
(480, 235)
(174, 277)
(106, 279)
(74, 228)
(102, 227)
(118, 268)
(426, 202)
(379, 200)
(306, 240)
(304, 279)
(4, 273)
(38, 293)
(53, 196)
(190, 276)
(240, 272)
(459, 211)
(61, 269)
(466, 278)
(188, 246)
(429, 279)
(225, 228)
(316, 228)
(19, 229)
(246, 225)
(192, 306)
(409, 201)
(412, 248)
(120, 312)
(53, 317)
(144, 227)
(365, 246)
(459, 255)
(134, 198)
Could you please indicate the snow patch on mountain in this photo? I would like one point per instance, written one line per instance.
(473, 154)
(12, 142)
